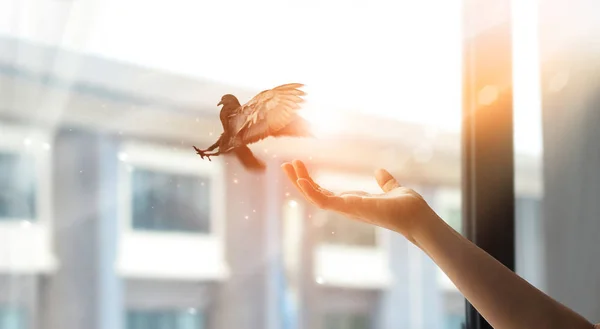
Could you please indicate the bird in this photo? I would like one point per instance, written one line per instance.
(271, 113)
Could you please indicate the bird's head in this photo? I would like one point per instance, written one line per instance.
(229, 100)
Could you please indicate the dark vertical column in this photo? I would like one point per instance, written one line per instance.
(488, 169)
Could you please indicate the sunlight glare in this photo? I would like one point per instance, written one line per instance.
(324, 122)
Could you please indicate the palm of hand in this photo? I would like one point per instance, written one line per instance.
(396, 208)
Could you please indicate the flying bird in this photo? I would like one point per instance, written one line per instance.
(271, 113)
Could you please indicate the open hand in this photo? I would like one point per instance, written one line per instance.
(398, 208)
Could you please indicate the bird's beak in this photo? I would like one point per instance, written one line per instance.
(220, 103)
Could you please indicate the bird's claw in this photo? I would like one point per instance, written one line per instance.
(199, 152)
(202, 154)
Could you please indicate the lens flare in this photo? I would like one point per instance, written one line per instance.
(324, 122)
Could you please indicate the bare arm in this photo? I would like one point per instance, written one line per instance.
(503, 298)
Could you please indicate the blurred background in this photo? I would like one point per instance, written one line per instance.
(109, 220)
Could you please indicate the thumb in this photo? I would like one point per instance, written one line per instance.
(386, 181)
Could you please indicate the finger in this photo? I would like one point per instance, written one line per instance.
(302, 173)
(386, 181)
(290, 172)
(301, 170)
(347, 204)
(320, 197)
(312, 193)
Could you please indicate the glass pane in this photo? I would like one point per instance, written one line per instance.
(110, 97)
(168, 202)
(17, 187)
(12, 318)
(346, 321)
(556, 79)
(164, 319)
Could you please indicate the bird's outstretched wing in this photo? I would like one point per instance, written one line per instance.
(266, 113)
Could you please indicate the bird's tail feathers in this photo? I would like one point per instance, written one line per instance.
(248, 160)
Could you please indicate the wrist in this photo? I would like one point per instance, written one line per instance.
(423, 226)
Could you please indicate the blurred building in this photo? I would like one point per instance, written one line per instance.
(108, 219)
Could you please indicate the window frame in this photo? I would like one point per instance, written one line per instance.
(30, 141)
(167, 160)
(154, 156)
(488, 167)
(141, 295)
(19, 232)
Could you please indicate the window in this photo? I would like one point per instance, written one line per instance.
(26, 200)
(146, 215)
(169, 191)
(170, 202)
(12, 318)
(173, 204)
(385, 84)
(346, 321)
(337, 229)
(17, 187)
(165, 319)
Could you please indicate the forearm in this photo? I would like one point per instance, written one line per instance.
(503, 298)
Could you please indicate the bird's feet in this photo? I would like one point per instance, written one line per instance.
(202, 153)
